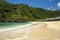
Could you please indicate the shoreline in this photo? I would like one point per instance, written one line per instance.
(31, 23)
(24, 26)
(42, 30)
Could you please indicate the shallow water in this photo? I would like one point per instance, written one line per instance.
(10, 24)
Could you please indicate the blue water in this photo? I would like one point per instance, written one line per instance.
(4, 25)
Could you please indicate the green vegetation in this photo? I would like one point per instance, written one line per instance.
(23, 13)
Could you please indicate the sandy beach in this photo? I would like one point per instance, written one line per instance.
(33, 31)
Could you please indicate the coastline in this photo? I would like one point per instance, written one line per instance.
(32, 31)
(31, 23)
(27, 25)
(12, 33)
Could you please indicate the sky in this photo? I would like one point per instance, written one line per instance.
(45, 4)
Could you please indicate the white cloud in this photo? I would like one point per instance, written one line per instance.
(51, 8)
(48, 9)
(58, 4)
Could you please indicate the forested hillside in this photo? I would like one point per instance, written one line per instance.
(24, 13)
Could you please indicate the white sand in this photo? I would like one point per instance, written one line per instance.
(33, 31)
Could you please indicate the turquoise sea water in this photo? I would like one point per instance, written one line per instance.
(4, 25)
